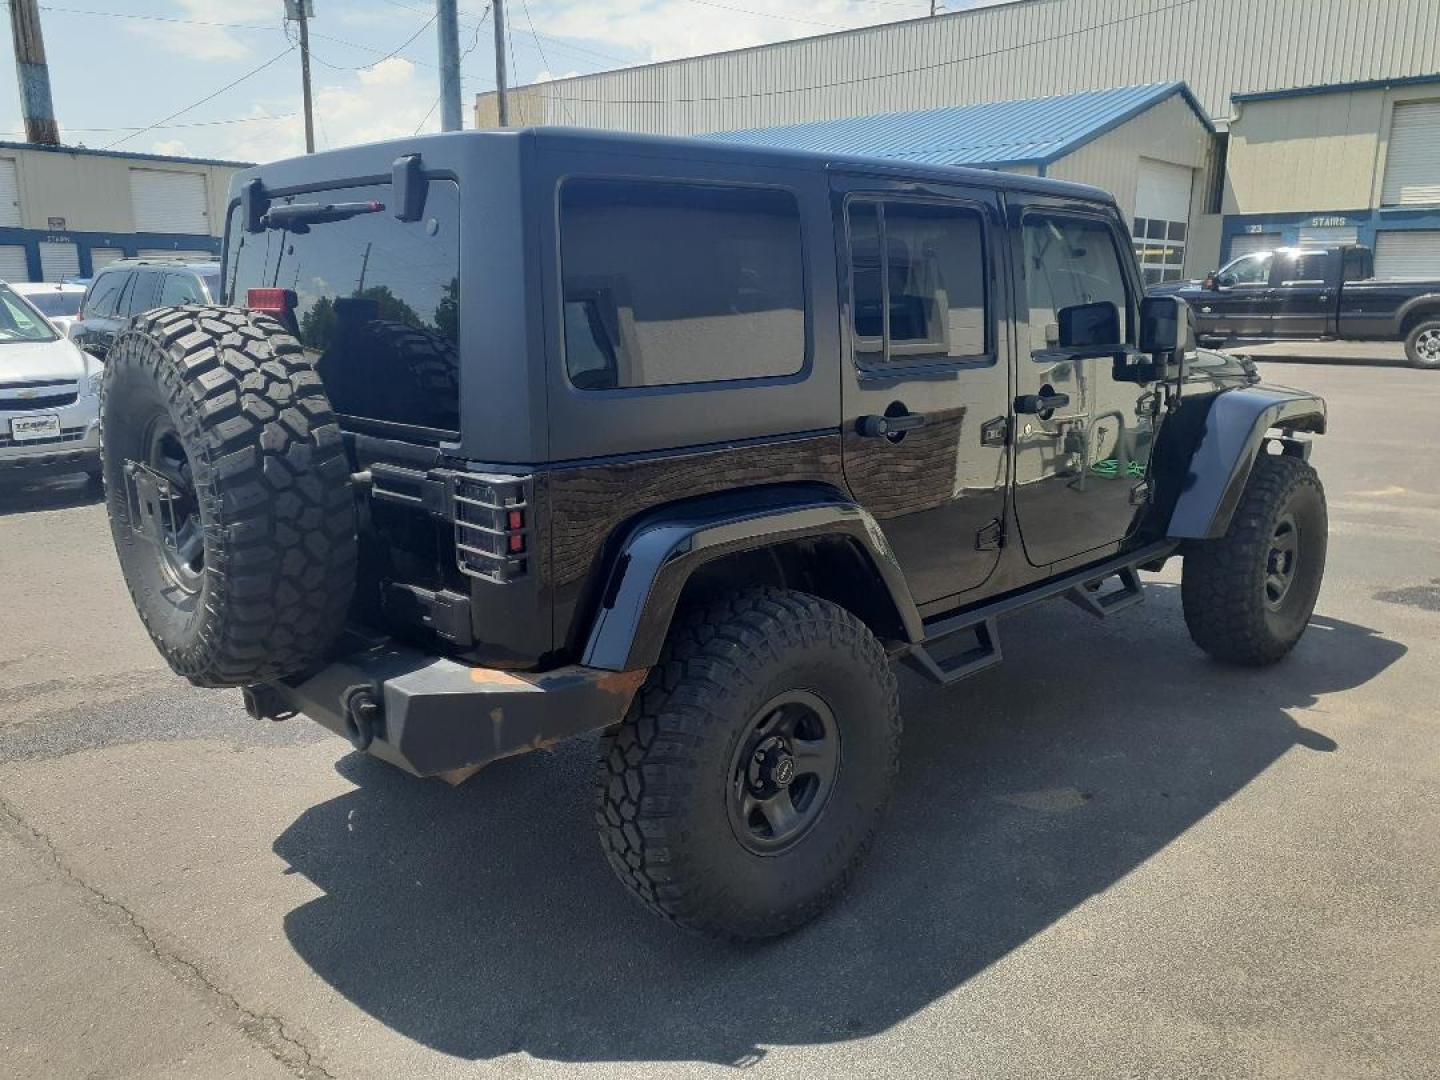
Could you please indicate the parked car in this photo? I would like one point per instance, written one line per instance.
(126, 288)
(690, 444)
(1319, 293)
(57, 301)
(49, 395)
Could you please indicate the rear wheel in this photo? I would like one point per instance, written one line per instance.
(1422, 344)
(228, 494)
(740, 793)
(1248, 596)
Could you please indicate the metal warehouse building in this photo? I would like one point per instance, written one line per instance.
(1322, 114)
(67, 211)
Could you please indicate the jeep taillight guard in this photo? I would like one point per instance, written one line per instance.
(492, 532)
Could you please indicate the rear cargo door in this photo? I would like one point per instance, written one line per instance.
(926, 379)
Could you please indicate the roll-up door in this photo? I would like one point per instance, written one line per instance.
(9, 194)
(1412, 163)
(58, 261)
(1162, 219)
(1329, 236)
(1245, 243)
(101, 257)
(169, 202)
(1407, 253)
(13, 266)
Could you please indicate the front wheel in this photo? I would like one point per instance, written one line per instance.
(740, 792)
(1422, 344)
(1248, 595)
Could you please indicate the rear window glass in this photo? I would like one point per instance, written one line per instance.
(375, 301)
(56, 303)
(679, 283)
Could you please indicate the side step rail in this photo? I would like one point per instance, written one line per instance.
(1084, 587)
(983, 653)
(1101, 602)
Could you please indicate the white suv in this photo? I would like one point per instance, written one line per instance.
(49, 395)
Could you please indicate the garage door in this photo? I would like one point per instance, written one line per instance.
(9, 194)
(1412, 164)
(103, 256)
(168, 202)
(1328, 235)
(13, 266)
(1411, 253)
(58, 261)
(1245, 243)
(1162, 219)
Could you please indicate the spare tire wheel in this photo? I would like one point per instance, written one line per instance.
(228, 492)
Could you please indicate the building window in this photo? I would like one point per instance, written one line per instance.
(666, 284)
(1160, 248)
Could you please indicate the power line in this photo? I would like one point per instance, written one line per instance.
(769, 15)
(208, 97)
(154, 18)
(525, 6)
(539, 88)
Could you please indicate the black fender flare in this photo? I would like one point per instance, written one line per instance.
(1426, 305)
(664, 549)
(1235, 429)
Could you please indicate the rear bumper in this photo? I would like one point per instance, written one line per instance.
(433, 716)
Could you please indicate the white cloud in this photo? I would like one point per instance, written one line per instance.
(392, 71)
(170, 148)
(195, 41)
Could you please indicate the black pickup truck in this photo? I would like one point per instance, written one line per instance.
(1315, 293)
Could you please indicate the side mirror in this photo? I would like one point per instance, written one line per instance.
(1086, 326)
(1211, 282)
(1167, 328)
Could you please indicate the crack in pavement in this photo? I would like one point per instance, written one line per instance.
(266, 1030)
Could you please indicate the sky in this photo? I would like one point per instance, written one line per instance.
(119, 66)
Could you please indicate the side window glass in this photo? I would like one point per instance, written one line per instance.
(666, 284)
(918, 275)
(104, 294)
(1307, 269)
(1248, 270)
(180, 289)
(1070, 262)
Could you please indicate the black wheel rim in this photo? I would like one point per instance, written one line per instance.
(783, 772)
(1281, 560)
(182, 556)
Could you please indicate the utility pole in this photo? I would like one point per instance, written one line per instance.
(33, 73)
(448, 27)
(502, 92)
(302, 11)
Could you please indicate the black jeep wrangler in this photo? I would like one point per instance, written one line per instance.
(498, 438)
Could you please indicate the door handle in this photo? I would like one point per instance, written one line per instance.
(1041, 403)
(877, 426)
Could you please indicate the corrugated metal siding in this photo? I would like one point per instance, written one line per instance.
(13, 266)
(58, 260)
(103, 256)
(1026, 49)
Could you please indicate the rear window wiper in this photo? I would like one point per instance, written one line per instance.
(298, 217)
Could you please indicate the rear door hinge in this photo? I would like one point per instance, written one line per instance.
(991, 536)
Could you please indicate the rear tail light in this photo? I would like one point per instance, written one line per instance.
(491, 533)
(277, 302)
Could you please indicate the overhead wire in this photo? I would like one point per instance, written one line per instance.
(525, 6)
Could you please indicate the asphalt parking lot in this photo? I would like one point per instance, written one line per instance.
(1109, 857)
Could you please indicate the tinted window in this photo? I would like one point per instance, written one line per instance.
(56, 303)
(925, 300)
(1308, 267)
(1068, 262)
(1248, 270)
(143, 292)
(376, 301)
(669, 283)
(181, 288)
(105, 292)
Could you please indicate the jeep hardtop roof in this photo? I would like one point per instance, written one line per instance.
(372, 161)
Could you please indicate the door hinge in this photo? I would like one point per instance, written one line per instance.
(995, 432)
(990, 536)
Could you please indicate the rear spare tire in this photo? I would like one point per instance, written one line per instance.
(228, 492)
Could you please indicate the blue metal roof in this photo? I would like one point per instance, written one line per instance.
(1336, 88)
(1036, 131)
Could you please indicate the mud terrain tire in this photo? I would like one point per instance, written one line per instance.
(221, 408)
(673, 775)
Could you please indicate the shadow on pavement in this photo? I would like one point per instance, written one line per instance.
(482, 920)
(21, 494)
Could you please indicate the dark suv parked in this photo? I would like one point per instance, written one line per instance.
(126, 288)
(502, 437)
